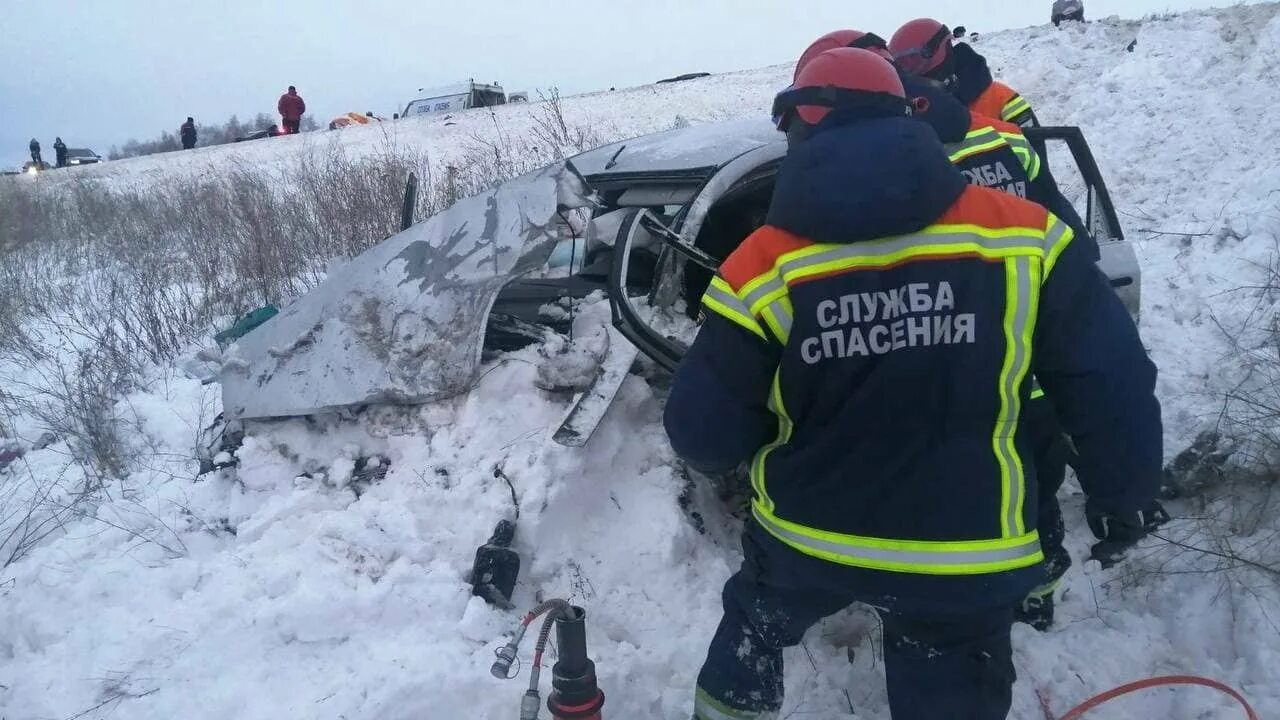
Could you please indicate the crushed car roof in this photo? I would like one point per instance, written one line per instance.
(698, 146)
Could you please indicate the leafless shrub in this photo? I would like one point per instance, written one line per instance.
(553, 131)
(1251, 408)
(1227, 483)
(32, 509)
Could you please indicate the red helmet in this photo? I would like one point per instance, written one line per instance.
(839, 79)
(844, 39)
(922, 47)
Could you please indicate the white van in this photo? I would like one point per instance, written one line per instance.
(453, 98)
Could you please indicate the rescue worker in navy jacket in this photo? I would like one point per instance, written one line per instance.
(990, 152)
(869, 352)
(993, 153)
(927, 47)
(996, 154)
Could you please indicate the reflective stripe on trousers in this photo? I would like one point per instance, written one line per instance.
(706, 707)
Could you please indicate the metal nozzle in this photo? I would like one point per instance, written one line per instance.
(501, 668)
(530, 704)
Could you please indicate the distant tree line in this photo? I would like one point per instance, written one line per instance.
(208, 135)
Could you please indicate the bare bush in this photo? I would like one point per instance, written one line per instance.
(97, 282)
(1227, 483)
(32, 509)
(561, 137)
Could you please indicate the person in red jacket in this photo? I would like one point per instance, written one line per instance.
(291, 108)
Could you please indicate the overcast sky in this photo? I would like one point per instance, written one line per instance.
(98, 72)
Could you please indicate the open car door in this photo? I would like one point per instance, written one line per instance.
(683, 240)
(1082, 182)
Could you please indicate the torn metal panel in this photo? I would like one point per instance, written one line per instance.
(404, 322)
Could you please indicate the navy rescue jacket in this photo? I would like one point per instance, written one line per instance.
(976, 88)
(869, 352)
(993, 153)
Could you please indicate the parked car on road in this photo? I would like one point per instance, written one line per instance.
(82, 156)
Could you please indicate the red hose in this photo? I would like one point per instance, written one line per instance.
(1132, 687)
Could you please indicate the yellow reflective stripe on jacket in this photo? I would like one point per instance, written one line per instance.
(785, 428)
(1016, 107)
(1057, 236)
(1024, 252)
(778, 315)
(922, 557)
(721, 299)
(763, 290)
(1027, 154)
(1021, 281)
(937, 240)
(764, 298)
(975, 142)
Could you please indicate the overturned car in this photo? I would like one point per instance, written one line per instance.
(408, 322)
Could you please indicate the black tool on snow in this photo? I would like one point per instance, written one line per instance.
(497, 567)
(575, 694)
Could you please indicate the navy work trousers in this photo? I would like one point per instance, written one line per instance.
(958, 667)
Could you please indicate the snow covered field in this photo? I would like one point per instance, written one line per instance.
(292, 592)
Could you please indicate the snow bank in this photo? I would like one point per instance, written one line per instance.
(292, 591)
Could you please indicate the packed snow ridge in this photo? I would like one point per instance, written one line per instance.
(289, 590)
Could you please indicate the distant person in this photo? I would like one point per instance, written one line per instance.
(188, 133)
(60, 152)
(291, 108)
(34, 146)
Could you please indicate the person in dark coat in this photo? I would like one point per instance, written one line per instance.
(60, 152)
(188, 133)
(291, 108)
(34, 147)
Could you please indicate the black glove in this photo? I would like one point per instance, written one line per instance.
(1118, 533)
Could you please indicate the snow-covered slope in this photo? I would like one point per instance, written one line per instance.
(287, 593)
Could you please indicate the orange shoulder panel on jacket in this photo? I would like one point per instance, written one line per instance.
(978, 121)
(1006, 127)
(758, 254)
(992, 100)
(994, 209)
